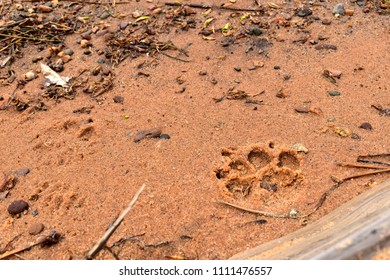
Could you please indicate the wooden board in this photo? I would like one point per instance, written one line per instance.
(354, 230)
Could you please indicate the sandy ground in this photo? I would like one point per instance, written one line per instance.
(228, 101)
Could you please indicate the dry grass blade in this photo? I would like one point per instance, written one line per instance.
(103, 240)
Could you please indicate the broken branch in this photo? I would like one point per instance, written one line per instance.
(103, 240)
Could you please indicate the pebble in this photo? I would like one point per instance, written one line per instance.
(277, 67)
(86, 36)
(17, 206)
(326, 21)
(45, 9)
(104, 15)
(68, 52)
(84, 43)
(320, 47)
(118, 99)
(123, 25)
(100, 61)
(22, 171)
(203, 73)
(102, 32)
(237, 68)
(302, 109)
(304, 12)
(36, 59)
(300, 148)
(366, 126)
(339, 9)
(165, 136)
(149, 133)
(334, 93)
(36, 229)
(29, 76)
(255, 31)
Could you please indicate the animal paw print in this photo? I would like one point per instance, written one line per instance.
(258, 172)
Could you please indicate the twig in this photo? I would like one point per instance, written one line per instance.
(372, 161)
(174, 57)
(365, 174)
(360, 165)
(263, 213)
(212, 6)
(103, 240)
(85, 2)
(19, 250)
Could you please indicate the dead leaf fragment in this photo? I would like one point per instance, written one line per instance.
(53, 78)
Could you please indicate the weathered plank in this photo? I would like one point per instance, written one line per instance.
(354, 230)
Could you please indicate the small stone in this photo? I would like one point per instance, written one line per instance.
(106, 71)
(321, 47)
(326, 21)
(36, 59)
(118, 99)
(203, 73)
(86, 36)
(237, 68)
(102, 32)
(349, 12)
(34, 213)
(66, 58)
(343, 132)
(45, 9)
(86, 52)
(148, 133)
(255, 31)
(366, 126)
(339, 9)
(304, 12)
(36, 229)
(302, 109)
(165, 136)
(331, 120)
(105, 15)
(29, 76)
(84, 43)
(68, 52)
(334, 93)
(123, 25)
(100, 61)
(257, 63)
(251, 68)
(277, 67)
(17, 207)
(300, 148)
(293, 212)
(22, 172)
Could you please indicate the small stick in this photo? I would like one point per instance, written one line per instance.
(360, 165)
(211, 6)
(19, 250)
(103, 240)
(174, 57)
(365, 174)
(373, 161)
(263, 213)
